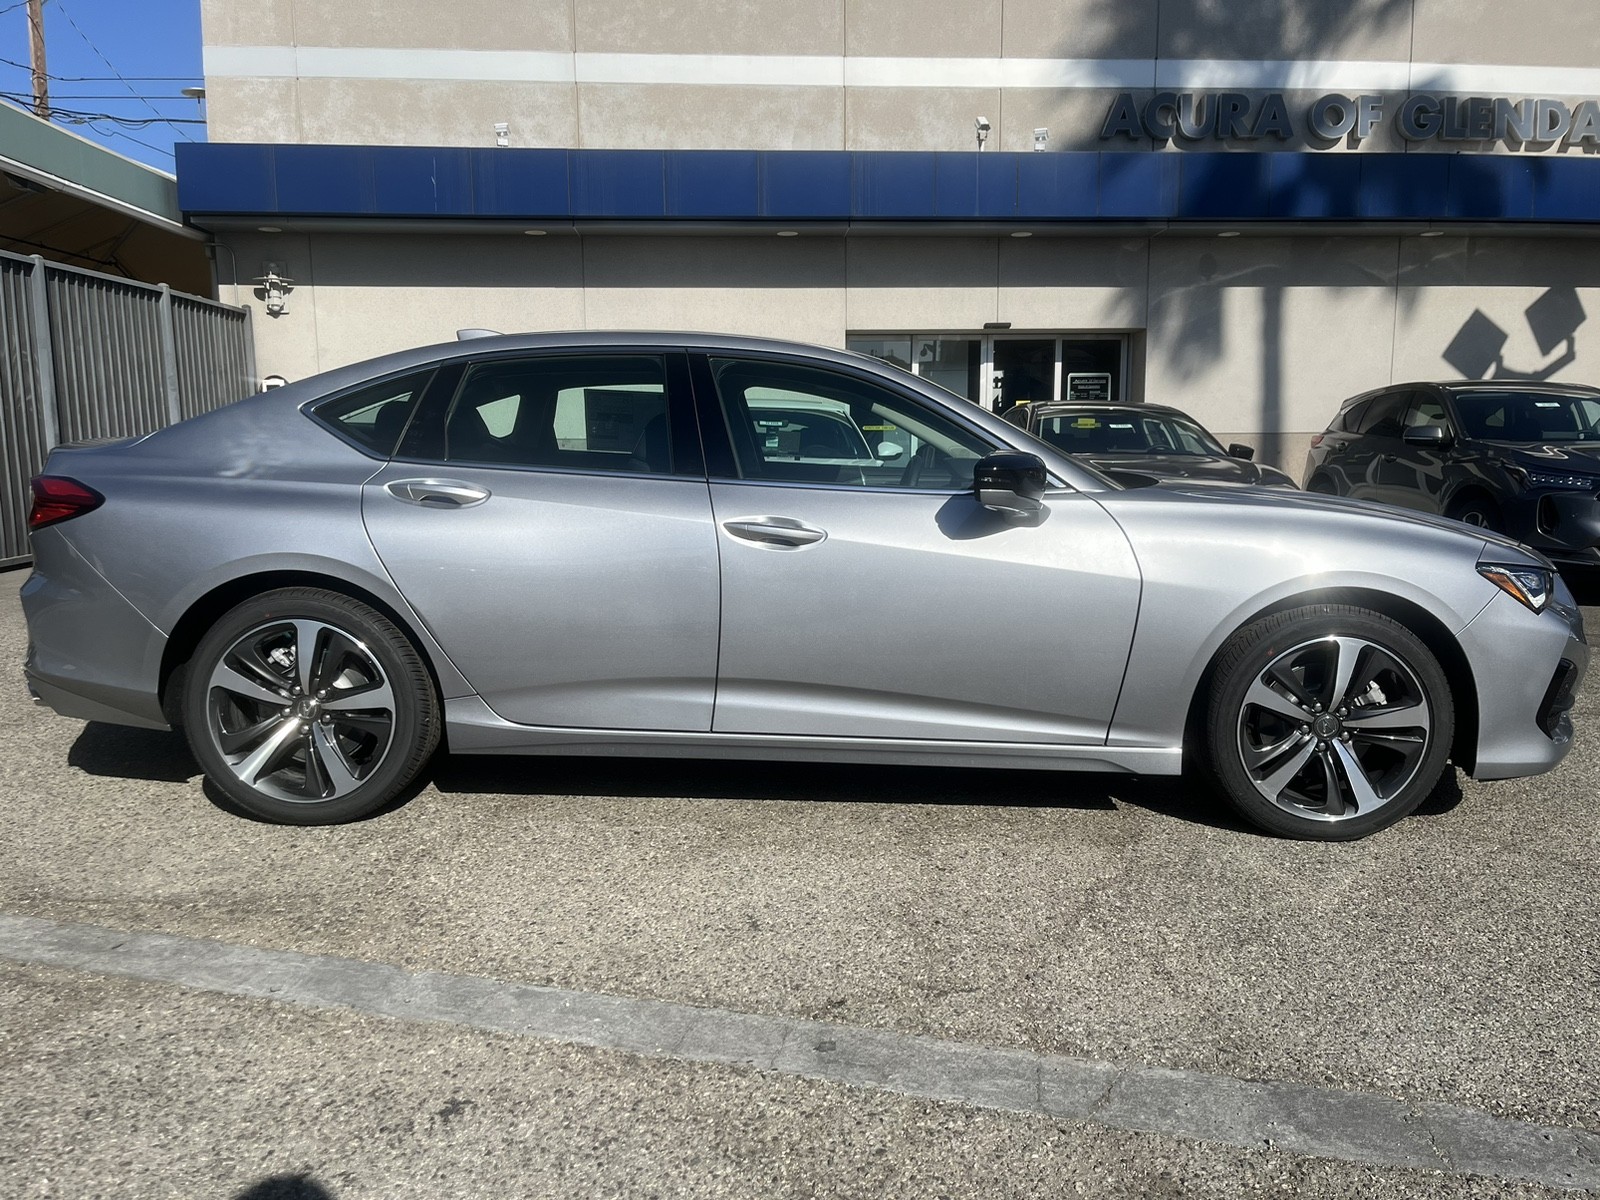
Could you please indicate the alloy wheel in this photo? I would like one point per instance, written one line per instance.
(1334, 728)
(300, 710)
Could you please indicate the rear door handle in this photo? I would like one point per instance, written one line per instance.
(779, 532)
(438, 493)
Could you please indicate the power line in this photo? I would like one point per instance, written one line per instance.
(102, 78)
(61, 8)
(78, 116)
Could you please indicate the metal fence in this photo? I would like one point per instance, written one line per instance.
(85, 355)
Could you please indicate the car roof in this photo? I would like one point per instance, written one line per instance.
(1488, 385)
(1046, 407)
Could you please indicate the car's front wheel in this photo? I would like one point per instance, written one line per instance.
(307, 707)
(1327, 722)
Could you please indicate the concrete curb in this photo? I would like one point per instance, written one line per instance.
(1326, 1122)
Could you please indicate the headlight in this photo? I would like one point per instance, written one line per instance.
(1531, 586)
(1561, 479)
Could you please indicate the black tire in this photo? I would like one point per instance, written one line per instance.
(1321, 485)
(1362, 760)
(1479, 512)
(333, 742)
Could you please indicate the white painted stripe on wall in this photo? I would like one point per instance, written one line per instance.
(823, 70)
(800, 70)
(1281, 75)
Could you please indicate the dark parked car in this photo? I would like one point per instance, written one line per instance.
(1517, 458)
(1146, 439)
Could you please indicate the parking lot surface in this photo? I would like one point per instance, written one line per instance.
(1448, 961)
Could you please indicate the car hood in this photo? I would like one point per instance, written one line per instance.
(1287, 502)
(1215, 468)
(1561, 456)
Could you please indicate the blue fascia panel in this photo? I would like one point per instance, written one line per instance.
(1314, 187)
(422, 181)
(619, 184)
(712, 183)
(1063, 185)
(1138, 187)
(1404, 187)
(521, 185)
(324, 180)
(1488, 187)
(975, 187)
(804, 185)
(843, 186)
(1564, 189)
(1223, 187)
(891, 184)
(226, 178)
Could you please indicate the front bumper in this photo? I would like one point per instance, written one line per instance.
(1528, 670)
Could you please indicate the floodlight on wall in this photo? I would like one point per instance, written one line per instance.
(982, 126)
(1041, 138)
(502, 133)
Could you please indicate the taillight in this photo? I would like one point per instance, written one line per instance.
(1317, 441)
(57, 498)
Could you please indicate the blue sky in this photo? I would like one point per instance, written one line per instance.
(154, 45)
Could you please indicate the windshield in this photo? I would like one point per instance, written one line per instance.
(1528, 416)
(1125, 430)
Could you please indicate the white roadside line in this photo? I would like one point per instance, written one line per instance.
(1326, 1122)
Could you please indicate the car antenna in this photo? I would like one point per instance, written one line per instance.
(464, 335)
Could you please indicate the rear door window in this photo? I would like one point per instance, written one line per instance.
(593, 412)
(1384, 415)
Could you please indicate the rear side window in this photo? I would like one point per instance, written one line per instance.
(1349, 420)
(374, 417)
(1384, 414)
(581, 413)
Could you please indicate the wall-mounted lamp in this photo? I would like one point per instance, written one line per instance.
(982, 126)
(502, 133)
(273, 288)
(1041, 139)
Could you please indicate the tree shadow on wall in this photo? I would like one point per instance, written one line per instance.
(1309, 187)
(1478, 349)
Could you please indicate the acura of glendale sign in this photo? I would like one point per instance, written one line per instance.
(1425, 116)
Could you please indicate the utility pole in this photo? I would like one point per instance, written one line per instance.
(41, 79)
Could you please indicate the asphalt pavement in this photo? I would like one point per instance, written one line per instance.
(1444, 972)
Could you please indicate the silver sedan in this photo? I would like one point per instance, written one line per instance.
(680, 545)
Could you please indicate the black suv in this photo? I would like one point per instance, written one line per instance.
(1518, 458)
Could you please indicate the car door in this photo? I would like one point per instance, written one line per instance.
(876, 598)
(1375, 445)
(1415, 476)
(550, 521)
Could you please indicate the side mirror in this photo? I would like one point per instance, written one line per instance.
(1428, 437)
(1240, 450)
(1010, 483)
(890, 450)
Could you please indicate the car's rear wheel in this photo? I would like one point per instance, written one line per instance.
(1327, 722)
(1321, 485)
(307, 707)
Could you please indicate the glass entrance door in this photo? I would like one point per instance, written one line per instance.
(999, 371)
(1023, 371)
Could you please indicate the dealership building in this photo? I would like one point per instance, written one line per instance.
(1251, 210)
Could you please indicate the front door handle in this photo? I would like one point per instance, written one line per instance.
(779, 532)
(438, 493)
